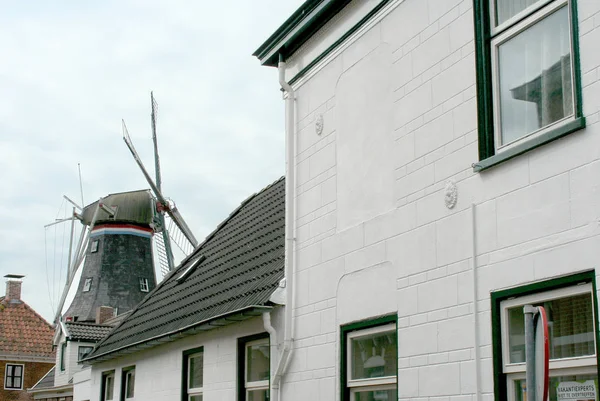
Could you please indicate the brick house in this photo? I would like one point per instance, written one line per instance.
(26, 352)
(446, 163)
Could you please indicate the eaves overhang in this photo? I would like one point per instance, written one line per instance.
(298, 29)
(198, 327)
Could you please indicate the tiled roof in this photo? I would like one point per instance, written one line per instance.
(23, 332)
(243, 266)
(45, 382)
(87, 331)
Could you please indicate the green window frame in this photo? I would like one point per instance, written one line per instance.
(490, 36)
(128, 383)
(386, 326)
(107, 389)
(509, 376)
(254, 385)
(192, 385)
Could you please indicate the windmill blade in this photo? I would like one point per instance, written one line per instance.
(172, 211)
(154, 106)
(179, 239)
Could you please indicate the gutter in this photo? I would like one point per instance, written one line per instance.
(290, 243)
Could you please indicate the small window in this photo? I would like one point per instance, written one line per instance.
(193, 368)
(370, 360)
(108, 385)
(83, 351)
(94, 246)
(256, 368)
(572, 335)
(87, 285)
(63, 356)
(128, 383)
(13, 377)
(528, 49)
(144, 285)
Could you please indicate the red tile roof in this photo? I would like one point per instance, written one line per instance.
(23, 332)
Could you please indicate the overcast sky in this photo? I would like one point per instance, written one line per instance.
(70, 71)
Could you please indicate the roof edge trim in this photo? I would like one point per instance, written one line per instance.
(182, 331)
(297, 29)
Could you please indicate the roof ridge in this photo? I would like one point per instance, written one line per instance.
(50, 326)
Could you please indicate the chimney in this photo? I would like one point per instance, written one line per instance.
(104, 313)
(13, 287)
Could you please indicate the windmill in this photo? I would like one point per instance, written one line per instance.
(115, 245)
(178, 231)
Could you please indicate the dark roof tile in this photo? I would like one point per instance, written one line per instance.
(87, 331)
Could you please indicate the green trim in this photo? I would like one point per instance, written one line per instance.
(184, 369)
(485, 120)
(576, 59)
(485, 102)
(498, 296)
(530, 144)
(361, 325)
(338, 42)
(305, 29)
(241, 362)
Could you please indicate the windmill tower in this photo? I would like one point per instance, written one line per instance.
(117, 244)
(118, 270)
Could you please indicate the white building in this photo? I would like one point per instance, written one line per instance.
(443, 171)
(202, 333)
(446, 156)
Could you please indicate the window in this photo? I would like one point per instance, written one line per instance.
(193, 374)
(63, 356)
(144, 284)
(128, 383)
(94, 246)
(13, 377)
(570, 306)
(83, 351)
(529, 90)
(108, 385)
(370, 360)
(88, 284)
(254, 368)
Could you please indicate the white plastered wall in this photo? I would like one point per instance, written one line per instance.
(398, 106)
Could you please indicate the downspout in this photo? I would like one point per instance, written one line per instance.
(290, 251)
(475, 309)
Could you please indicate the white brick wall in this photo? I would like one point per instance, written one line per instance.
(366, 251)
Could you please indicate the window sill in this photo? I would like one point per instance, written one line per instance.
(530, 144)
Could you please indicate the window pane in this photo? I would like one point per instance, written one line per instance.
(258, 395)
(570, 326)
(17, 382)
(196, 371)
(376, 395)
(9, 370)
(18, 370)
(196, 397)
(572, 387)
(257, 362)
(9, 382)
(130, 384)
(109, 388)
(535, 77)
(374, 355)
(506, 9)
